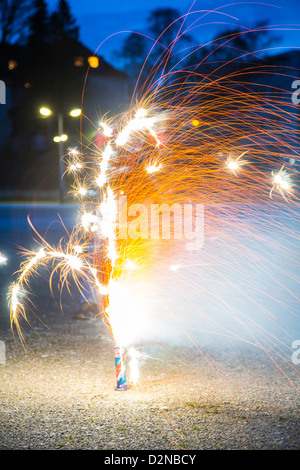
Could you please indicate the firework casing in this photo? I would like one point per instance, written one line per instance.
(120, 362)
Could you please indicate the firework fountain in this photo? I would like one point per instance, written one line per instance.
(188, 138)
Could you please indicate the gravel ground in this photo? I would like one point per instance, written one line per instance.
(61, 394)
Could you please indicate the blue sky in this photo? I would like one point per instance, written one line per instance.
(98, 19)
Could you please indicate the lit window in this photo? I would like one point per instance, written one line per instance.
(79, 61)
(12, 64)
(93, 62)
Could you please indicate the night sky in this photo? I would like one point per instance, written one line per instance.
(98, 19)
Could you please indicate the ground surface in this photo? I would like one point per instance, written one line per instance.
(62, 395)
(207, 395)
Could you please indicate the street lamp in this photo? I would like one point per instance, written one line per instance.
(45, 112)
(60, 139)
(75, 112)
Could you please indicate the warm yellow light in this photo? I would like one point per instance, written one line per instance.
(45, 111)
(60, 138)
(79, 61)
(93, 62)
(75, 112)
(195, 122)
(12, 64)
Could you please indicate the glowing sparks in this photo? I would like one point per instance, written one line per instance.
(74, 262)
(140, 122)
(3, 259)
(107, 130)
(82, 191)
(153, 168)
(130, 265)
(281, 182)
(175, 267)
(106, 156)
(194, 169)
(108, 209)
(67, 263)
(75, 167)
(31, 263)
(127, 301)
(133, 356)
(233, 164)
(14, 298)
(89, 221)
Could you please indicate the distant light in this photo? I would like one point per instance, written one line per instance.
(60, 138)
(45, 111)
(75, 112)
(12, 64)
(79, 61)
(93, 62)
(195, 122)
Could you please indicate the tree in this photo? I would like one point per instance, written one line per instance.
(63, 24)
(39, 25)
(241, 44)
(13, 17)
(165, 24)
(133, 53)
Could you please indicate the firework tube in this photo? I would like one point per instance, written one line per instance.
(120, 362)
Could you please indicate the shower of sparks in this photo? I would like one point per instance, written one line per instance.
(158, 153)
(281, 183)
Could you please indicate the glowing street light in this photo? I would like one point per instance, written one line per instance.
(45, 112)
(75, 113)
(60, 139)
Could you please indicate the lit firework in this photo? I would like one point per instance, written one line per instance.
(169, 150)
